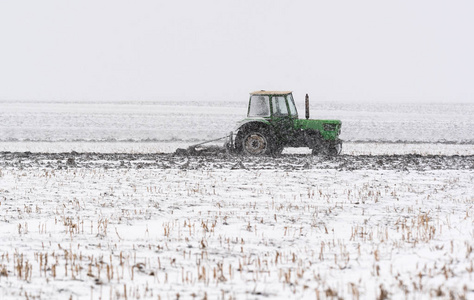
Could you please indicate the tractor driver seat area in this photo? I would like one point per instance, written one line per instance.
(259, 106)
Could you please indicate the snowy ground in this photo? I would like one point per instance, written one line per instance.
(350, 148)
(91, 225)
(93, 205)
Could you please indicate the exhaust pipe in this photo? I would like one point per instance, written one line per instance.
(306, 105)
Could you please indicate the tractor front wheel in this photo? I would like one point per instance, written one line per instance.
(329, 149)
(334, 149)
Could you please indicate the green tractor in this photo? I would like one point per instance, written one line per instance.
(272, 123)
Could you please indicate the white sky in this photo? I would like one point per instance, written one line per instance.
(209, 50)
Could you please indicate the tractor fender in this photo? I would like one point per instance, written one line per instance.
(254, 125)
(246, 122)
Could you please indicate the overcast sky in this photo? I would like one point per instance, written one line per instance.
(198, 50)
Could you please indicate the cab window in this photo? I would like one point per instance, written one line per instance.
(259, 106)
(292, 106)
(279, 106)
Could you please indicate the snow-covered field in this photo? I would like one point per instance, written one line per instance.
(350, 148)
(114, 227)
(93, 205)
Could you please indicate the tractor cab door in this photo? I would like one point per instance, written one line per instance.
(282, 118)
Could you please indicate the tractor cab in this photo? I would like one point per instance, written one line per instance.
(264, 104)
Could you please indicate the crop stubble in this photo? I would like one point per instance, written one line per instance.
(125, 226)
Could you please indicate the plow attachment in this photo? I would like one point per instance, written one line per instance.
(202, 149)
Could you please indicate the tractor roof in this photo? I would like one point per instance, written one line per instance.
(262, 92)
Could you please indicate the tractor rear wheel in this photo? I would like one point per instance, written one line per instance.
(257, 143)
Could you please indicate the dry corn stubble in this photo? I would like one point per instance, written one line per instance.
(220, 234)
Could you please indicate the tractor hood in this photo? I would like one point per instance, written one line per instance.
(329, 129)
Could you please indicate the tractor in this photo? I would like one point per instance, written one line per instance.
(272, 124)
